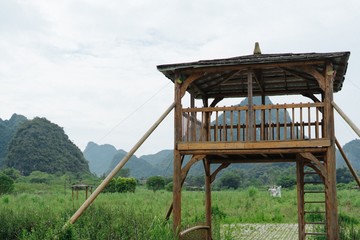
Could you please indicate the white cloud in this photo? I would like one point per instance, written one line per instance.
(87, 65)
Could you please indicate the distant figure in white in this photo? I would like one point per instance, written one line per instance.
(275, 191)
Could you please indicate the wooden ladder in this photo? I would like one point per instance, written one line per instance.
(312, 203)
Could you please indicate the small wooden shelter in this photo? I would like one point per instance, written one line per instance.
(306, 137)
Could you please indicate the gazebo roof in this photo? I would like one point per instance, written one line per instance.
(273, 74)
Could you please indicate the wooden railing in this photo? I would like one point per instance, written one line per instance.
(270, 122)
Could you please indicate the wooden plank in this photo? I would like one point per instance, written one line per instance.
(320, 150)
(254, 145)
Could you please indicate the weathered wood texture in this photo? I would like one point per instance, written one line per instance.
(301, 132)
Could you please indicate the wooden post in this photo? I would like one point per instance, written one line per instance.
(177, 159)
(208, 197)
(300, 196)
(106, 181)
(250, 108)
(330, 161)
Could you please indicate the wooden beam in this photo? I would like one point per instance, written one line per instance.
(253, 145)
(185, 84)
(259, 79)
(243, 152)
(221, 167)
(311, 158)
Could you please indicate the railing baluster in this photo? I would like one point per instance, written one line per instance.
(317, 123)
(231, 125)
(238, 126)
(309, 123)
(285, 124)
(224, 125)
(301, 123)
(277, 123)
(292, 123)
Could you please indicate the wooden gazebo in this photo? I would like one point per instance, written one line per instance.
(302, 132)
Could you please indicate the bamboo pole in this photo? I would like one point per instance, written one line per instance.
(353, 172)
(346, 118)
(112, 174)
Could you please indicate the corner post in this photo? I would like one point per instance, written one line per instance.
(208, 197)
(330, 163)
(300, 196)
(177, 158)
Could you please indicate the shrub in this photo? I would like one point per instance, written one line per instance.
(6, 184)
(155, 183)
(169, 186)
(121, 185)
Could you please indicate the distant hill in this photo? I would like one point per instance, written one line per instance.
(99, 157)
(139, 168)
(352, 152)
(8, 128)
(40, 145)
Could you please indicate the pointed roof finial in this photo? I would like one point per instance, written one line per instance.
(257, 48)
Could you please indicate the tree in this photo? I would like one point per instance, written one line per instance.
(287, 182)
(6, 184)
(343, 175)
(155, 183)
(229, 180)
(12, 173)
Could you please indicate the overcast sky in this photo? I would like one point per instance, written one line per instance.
(90, 66)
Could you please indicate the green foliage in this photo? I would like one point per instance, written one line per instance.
(343, 175)
(230, 180)
(155, 183)
(287, 181)
(8, 129)
(121, 185)
(40, 145)
(39, 177)
(6, 184)
(12, 173)
(169, 187)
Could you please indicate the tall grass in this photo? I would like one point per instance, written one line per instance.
(39, 212)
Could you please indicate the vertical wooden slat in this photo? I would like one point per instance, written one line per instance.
(269, 127)
(309, 123)
(238, 126)
(224, 125)
(317, 123)
(277, 123)
(285, 124)
(216, 126)
(292, 123)
(231, 125)
(301, 123)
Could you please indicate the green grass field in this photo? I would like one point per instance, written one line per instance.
(39, 211)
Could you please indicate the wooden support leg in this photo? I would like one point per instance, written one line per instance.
(300, 196)
(177, 192)
(208, 197)
(331, 200)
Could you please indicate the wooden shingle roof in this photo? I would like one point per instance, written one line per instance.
(273, 74)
